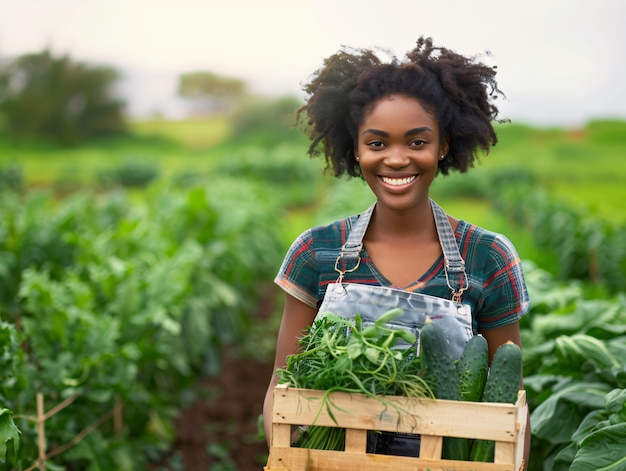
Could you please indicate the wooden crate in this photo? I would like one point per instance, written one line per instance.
(433, 419)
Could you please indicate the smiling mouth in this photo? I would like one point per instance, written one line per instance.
(398, 181)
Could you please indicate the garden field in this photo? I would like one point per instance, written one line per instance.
(136, 288)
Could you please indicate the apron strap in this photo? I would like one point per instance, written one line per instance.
(350, 256)
(454, 265)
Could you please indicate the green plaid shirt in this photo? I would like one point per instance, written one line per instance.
(497, 291)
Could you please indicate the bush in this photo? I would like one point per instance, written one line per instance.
(267, 122)
(11, 178)
(131, 174)
(286, 168)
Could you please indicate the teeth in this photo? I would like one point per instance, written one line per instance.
(398, 181)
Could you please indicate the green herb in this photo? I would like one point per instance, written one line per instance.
(341, 355)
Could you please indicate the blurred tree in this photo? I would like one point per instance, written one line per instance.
(210, 93)
(59, 99)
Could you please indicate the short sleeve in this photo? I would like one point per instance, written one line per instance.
(298, 274)
(504, 296)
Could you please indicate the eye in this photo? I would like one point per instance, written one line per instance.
(418, 142)
(376, 144)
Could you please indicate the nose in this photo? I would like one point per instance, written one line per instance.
(396, 157)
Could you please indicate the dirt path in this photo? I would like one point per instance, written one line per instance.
(224, 429)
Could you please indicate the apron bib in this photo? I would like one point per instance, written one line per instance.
(348, 300)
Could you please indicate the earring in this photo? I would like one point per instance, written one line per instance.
(357, 158)
(442, 157)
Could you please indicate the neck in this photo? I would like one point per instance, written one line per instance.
(414, 222)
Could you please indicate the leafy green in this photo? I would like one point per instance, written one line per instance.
(558, 417)
(577, 349)
(8, 432)
(338, 354)
(575, 375)
(602, 450)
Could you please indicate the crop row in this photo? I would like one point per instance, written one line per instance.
(586, 248)
(113, 300)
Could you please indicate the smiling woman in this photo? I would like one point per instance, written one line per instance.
(397, 125)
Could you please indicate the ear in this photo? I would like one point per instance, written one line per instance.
(444, 148)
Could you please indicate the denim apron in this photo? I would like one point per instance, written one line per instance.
(349, 299)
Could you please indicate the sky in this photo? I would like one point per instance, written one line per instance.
(560, 62)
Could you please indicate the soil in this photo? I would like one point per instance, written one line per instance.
(223, 430)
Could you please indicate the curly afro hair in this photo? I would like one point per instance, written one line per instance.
(457, 90)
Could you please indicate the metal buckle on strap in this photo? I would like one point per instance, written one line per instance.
(456, 295)
(343, 272)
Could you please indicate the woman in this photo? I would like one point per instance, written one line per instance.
(397, 125)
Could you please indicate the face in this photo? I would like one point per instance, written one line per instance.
(398, 149)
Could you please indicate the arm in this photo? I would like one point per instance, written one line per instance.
(297, 316)
(495, 338)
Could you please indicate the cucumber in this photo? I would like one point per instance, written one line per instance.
(505, 375)
(472, 368)
(438, 368)
(439, 372)
(503, 383)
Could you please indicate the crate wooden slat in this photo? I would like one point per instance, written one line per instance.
(433, 419)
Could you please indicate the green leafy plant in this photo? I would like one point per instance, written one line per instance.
(9, 433)
(134, 173)
(113, 301)
(575, 375)
(11, 178)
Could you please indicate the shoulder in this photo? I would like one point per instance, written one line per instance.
(322, 241)
(485, 245)
(496, 275)
(310, 262)
(475, 235)
(329, 235)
